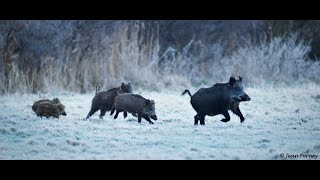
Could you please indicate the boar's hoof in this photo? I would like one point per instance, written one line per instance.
(196, 122)
(242, 120)
(225, 120)
(150, 122)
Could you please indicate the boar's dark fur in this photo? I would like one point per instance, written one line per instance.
(136, 105)
(104, 100)
(218, 99)
(47, 108)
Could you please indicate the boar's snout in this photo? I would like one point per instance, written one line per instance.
(154, 117)
(245, 98)
(64, 113)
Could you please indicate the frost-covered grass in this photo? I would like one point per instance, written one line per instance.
(278, 120)
(109, 59)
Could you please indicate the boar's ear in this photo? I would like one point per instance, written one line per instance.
(152, 102)
(122, 84)
(148, 102)
(240, 78)
(232, 81)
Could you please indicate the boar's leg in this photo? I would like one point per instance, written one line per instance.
(202, 119)
(125, 114)
(117, 113)
(199, 117)
(148, 119)
(196, 119)
(139, 118)
(112, 111)
(102, 112)
(237, 111)
(92, 111)
(227, 116)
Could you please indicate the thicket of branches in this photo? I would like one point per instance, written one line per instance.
(42, 56)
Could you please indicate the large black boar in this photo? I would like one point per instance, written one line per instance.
(104, 100)
(218, 99)
(134, 104)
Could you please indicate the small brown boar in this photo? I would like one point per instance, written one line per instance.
(134, 104)
(47, 108)
(54, 101)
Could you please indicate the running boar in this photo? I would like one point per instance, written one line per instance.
(218, 99)
(49, 108)
(104, 100)
(134, 104)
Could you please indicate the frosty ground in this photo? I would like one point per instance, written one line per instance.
(278, 120)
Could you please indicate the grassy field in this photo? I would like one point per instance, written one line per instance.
(278, 121)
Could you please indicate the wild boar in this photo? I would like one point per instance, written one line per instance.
(48, 108)
(134, 104)
(218, 99)
(104, 100)
(53, 101)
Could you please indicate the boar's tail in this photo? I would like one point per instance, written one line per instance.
(186, 91)
(96, 88)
